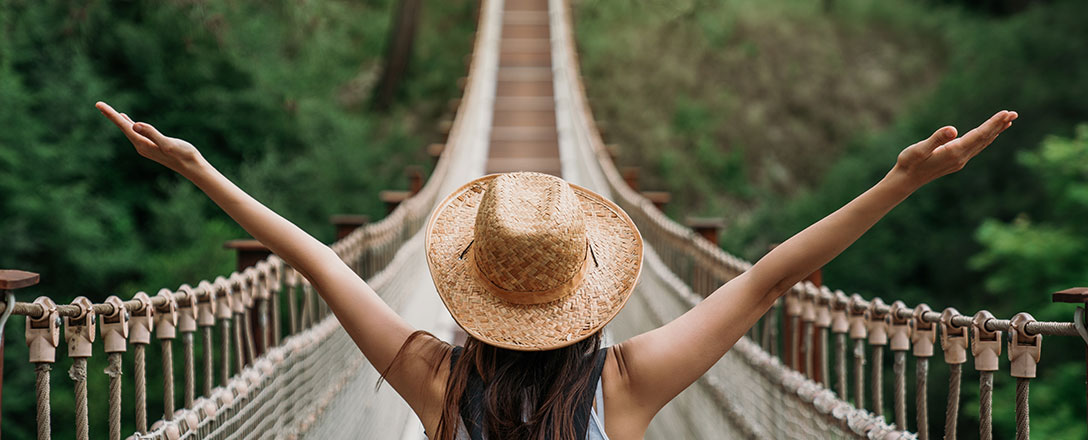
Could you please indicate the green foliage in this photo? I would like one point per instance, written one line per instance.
(1048, 252)
(733, 102)
(275, 94)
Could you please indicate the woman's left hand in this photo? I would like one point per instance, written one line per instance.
(943, 153)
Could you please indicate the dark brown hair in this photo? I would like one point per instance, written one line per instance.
(547, 384)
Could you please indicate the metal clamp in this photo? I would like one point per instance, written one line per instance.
(225, 301)
(839, 323)
(953, 338)
(823, 308)
(900, 327)
(263, 283)
(808, 302)
(43, 332)
(206, 304)
(878, 323)
(187, 309)
(9, 302)
(793, 303)
(858, 318)
(142, 323)
(1024, 349)
(1079, 323)
(985, 344)
(238, 290)
(923, 333)
(115, 326)
(166, 316)
(79, 329)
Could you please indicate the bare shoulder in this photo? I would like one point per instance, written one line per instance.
(421, 373)
(625, 417)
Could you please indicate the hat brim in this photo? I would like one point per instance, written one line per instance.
(608, 282)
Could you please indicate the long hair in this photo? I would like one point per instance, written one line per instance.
(527, 395)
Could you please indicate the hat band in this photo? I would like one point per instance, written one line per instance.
(531, 297)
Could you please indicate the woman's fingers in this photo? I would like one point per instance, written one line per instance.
(112, 115)
(150, 132)
(923, 149)
(940, 137)
(125, 123)
(977, 139)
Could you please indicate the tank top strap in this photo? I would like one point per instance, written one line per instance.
(472, 414)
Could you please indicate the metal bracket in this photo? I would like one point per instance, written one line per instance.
(10, 299)
(1079, 323)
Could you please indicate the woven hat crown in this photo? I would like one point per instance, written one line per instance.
(530, 233)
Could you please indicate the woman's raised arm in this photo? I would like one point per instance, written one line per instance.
(376, 329)
(659, 364)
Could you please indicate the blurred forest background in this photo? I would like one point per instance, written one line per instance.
(771, 113)
(282, 96)
(774, 113)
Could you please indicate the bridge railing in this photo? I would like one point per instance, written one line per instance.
(810, 319)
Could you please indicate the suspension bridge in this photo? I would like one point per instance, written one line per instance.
(811, 368)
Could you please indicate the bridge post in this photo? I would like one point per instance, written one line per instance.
(1078, 295)
(249, 252)
(630, 176)
(707, 228)
(345, 224)
(658, 198)
(435, 152)
(10, 281)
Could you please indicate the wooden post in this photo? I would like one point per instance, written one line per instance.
(630, 175)
(415, 178)
(707, 227)
(658, 198)
(346, 224)
(1078, 295)
(613, 151)
(10, 281)
(249, 251)
(392, 199)
(435, 151)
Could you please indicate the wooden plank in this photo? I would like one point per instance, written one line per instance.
(527, 149)
(11, 279)
(523, 118)
(1072, 295)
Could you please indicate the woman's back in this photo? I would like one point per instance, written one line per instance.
(588, 411)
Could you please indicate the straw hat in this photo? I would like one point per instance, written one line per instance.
(527, 261)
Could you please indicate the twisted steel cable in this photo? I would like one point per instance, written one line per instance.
(42, 382)
(920, 398)
(78, 373)
(952, 411)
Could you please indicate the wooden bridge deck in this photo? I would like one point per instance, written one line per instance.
(523, 134)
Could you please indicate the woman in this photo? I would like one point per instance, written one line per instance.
(532, 268)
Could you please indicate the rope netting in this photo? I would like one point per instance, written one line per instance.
(251, 381)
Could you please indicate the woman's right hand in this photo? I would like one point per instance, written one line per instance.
(173, 153)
